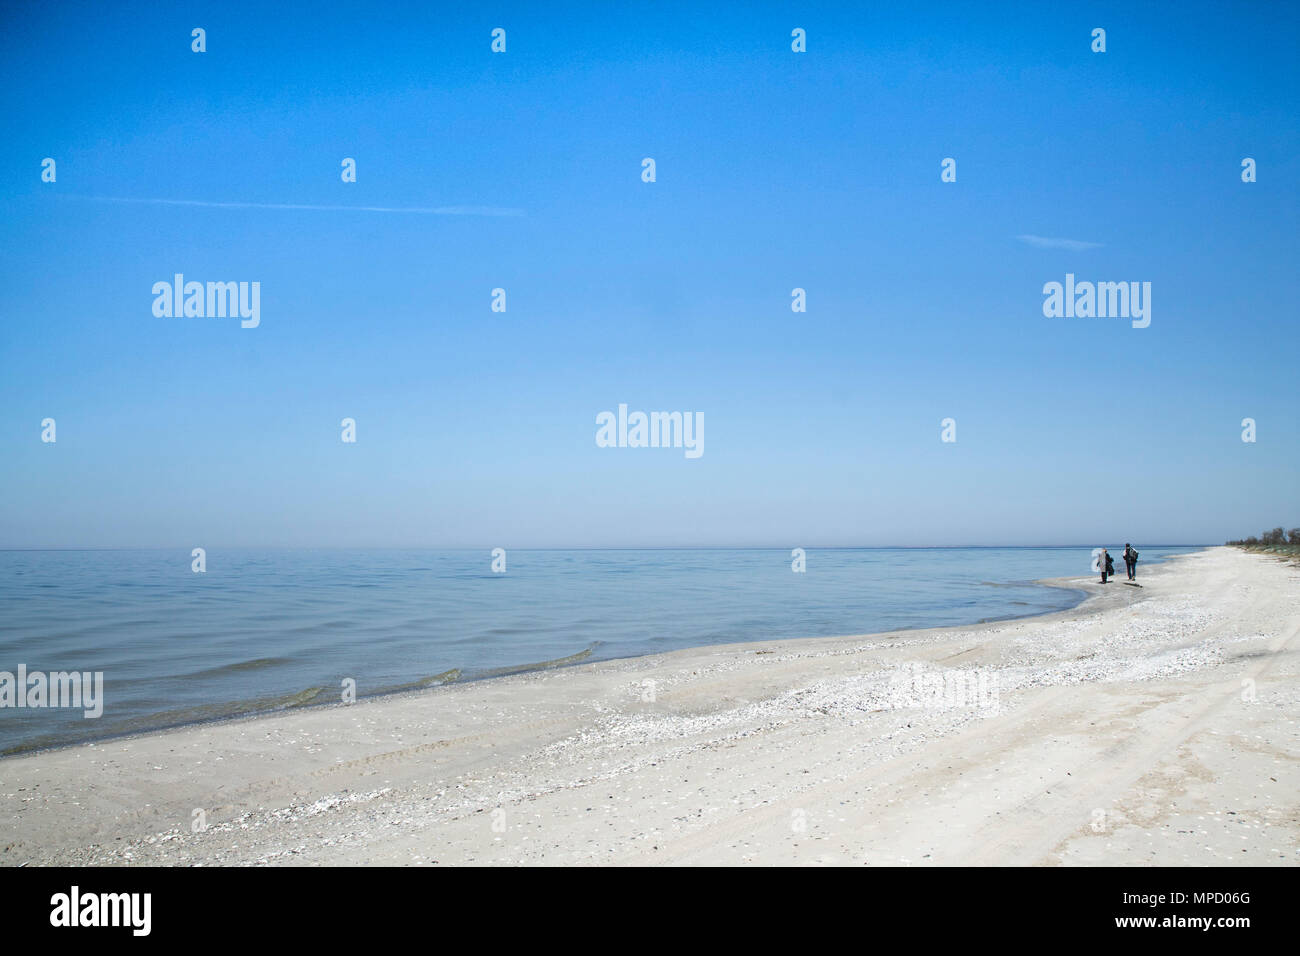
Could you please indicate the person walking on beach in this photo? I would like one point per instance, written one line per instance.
(1106, 565)
(1131, 561)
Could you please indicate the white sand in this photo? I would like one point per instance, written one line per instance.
(1152, 726)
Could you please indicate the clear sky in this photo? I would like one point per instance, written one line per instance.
(775, 170)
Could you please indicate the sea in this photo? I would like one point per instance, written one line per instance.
(265, 630)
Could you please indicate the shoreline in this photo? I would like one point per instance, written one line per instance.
(1128, 706)
(571, 660)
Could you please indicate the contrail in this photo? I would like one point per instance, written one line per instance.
(1075, 245)
(418, 210)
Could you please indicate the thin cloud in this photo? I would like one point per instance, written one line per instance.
(417, 210)
(1074, 245)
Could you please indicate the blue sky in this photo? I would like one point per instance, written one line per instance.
(775, 170)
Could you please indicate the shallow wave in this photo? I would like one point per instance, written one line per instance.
(239, 667)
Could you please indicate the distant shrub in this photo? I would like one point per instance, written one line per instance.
(1270, 539)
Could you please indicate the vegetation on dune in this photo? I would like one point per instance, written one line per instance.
(1270, 538)
(1277, 541)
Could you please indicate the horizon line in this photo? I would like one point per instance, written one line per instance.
(834, 547)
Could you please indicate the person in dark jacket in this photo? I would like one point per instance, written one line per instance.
(1104, 562)
(1131, 561)
(1110, 565)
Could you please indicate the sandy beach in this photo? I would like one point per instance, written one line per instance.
(1153, 725)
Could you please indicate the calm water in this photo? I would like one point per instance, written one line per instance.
(267, 629)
